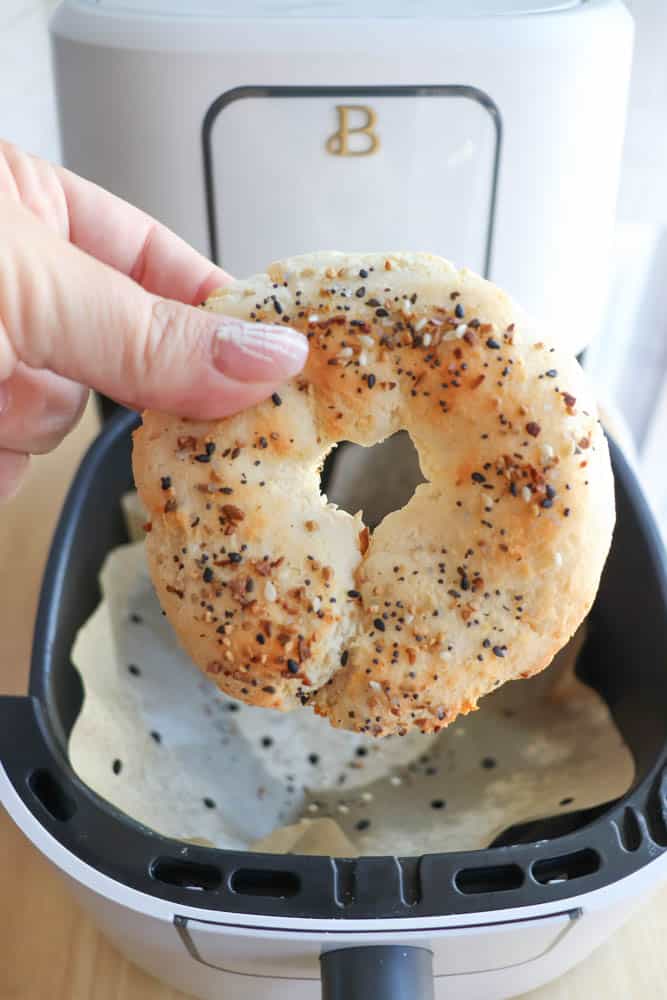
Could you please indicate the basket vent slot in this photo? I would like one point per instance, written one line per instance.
(551, 871)
(630, 830)
(186, 874)
(52, 795)
(656, 811)
(493, 878)
(264, 882)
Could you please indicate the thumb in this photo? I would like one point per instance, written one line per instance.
(63, 310)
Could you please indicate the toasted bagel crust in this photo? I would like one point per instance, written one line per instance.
(284, 600)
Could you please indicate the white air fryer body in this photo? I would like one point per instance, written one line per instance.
(489, 132)
(481, 956)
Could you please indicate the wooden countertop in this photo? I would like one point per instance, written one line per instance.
(48, 946)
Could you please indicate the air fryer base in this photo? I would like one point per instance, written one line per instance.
(175, 944)
(238, 924)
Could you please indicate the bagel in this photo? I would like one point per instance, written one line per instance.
(283, 600)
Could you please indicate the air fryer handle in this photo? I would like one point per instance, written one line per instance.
(377, 972)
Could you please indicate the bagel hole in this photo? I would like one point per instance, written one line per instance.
(375, 480)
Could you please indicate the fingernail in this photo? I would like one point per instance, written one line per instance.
(257, 352)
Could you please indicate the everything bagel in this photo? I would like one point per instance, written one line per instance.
(284, 600)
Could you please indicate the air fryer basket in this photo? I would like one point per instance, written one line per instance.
(624, 659)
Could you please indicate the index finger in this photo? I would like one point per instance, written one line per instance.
(132, 242)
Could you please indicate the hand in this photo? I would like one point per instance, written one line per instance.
(95, 293)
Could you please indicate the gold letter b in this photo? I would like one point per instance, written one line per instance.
(338, 145)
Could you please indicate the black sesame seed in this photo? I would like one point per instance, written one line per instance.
(547, 503)
(363, 273)
(276, 400)
(379, 624)
(202, 458)
(566, 801)
(267, 741)
(438, 804)
(362, 824)
(360, 292)
(165, 482)
(209, 803)
(234, 557)
(277, 306)
(552, 373)
(499, 650)
(550, 491)
(459, 312)
(381, 312)
(260, 639)
(208, 574)
(117, 766)
(313, 758)
(353, 593)
(344, 656)
(134, 669)
(293, 666)
(209, 447)
(361, 751)
(371, 381)
(477, 477)
(156, 736)
(493, 344)
(373, 302)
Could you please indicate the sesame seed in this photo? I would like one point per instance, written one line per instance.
(459, 311)
(270, 591)
(363, 359)
(208, 574)
(379, 624)
(493, 344)
(317, 604)
(551, 373)
(345, 352)
(420, 324)
(461, 329)
(533, 428)
(526, 494)
(293, 666)
(371, 381)
(276, 400)
(165, 482)
(366, 340)
(499, 650)
(360, 292)
(313, 318)
(558, 559)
